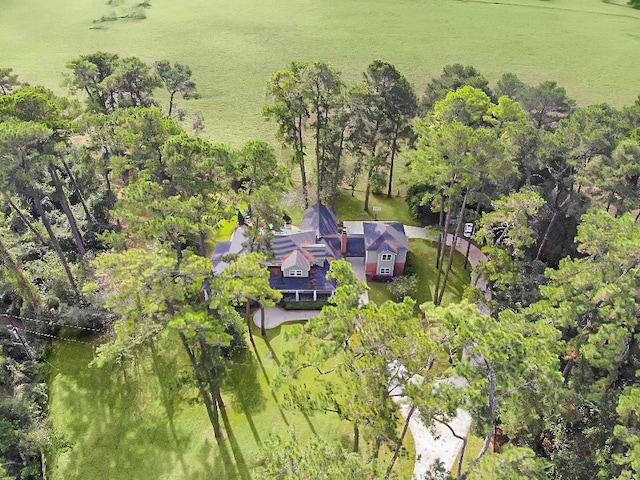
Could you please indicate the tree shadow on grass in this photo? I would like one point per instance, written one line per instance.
(170, 380)
(223, 461)
(235, 447)
(272, 352)
(246, 392)
(118, 423)
(273, 395)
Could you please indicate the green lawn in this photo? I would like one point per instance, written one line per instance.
(474, 446)
(234, 46)
(421, 261)
(352, 207)
(139, 423)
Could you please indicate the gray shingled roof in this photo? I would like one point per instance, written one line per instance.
(320, 219)
(385, 236)
(296, 259)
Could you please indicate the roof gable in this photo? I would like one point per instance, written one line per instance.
(296, 259)
(385, 236)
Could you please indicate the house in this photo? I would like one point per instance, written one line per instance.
(301, 257)
(383, 245)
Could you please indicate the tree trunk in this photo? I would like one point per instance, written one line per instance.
(202, 242)
(263, 330)
(466, 257)
(461, 459)
(485, 447)
(453, 244)
(208, 369)
(396, 452)
(493, 408)
(566, 372)
(107, 180)
(443, 246)
(209, 403)
(27, 222)
(356, 438)
(443, 234)
(367, 193)
(173, 94)
(394, 142)
(318, 156)
(547, 234)
(54, 240)
(76, 187)
(336, 173)
(30, 294)
(300, 159)
(552, 224)
(247, 319)
(62, 198)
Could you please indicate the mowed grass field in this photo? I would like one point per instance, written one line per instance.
(589, 46)
(143, 423)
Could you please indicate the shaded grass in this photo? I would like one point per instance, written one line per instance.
(474, 446)
(422, 262)
(234, 46)
(145, 421)
(352, 208)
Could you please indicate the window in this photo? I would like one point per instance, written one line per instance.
(385, 271)
(295, 273)
(386, 257)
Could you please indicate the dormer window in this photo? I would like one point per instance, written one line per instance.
(295, 273)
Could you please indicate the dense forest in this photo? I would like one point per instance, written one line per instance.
(110, 205)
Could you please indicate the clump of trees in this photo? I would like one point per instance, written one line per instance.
(107, 212)
(368, 121)
(556, 225)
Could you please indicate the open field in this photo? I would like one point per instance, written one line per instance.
(140, 424)
(588, 46)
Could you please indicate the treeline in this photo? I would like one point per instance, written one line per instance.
(553, 190)
(108, 212)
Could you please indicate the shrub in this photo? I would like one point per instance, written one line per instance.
(402, 287)
(303, 305)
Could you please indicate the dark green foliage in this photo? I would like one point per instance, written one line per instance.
(111, 82)
(403, 287)
(303, 305)
(453, 77)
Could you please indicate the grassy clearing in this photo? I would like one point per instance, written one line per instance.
(352, 208)
(139, 423)
(422, 258)
(234, 46)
